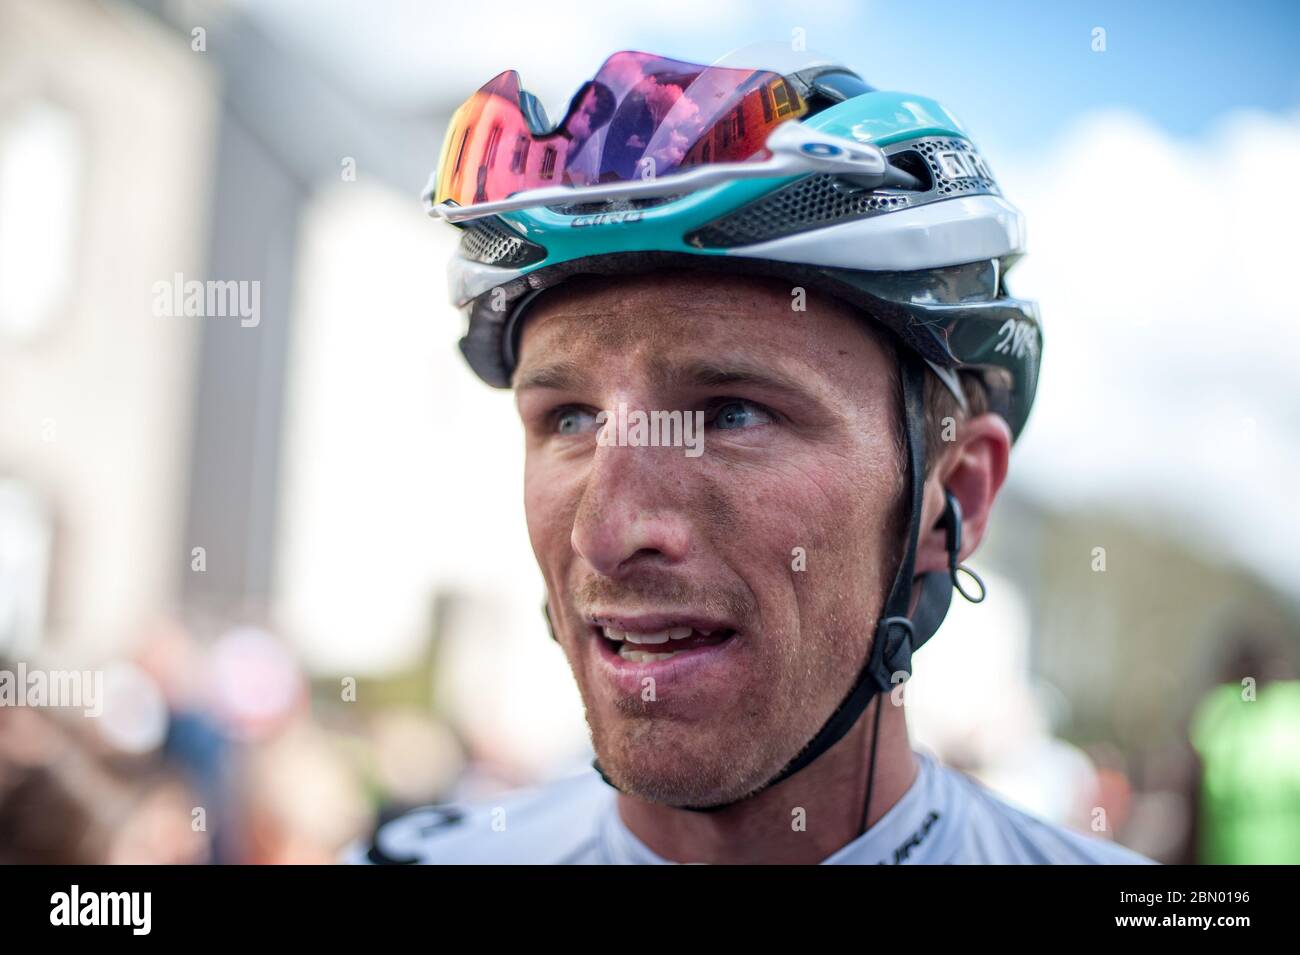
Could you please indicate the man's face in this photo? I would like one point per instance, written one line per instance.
(772, 549)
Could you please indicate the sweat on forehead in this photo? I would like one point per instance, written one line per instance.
(681, 289)
(615, 313)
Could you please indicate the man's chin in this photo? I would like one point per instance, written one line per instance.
(674, 773)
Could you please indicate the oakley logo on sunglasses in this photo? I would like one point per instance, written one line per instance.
(821, 149)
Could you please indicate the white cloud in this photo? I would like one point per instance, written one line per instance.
(409, 51)
(1168, 276)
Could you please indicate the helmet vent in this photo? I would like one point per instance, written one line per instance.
(911, 161)
(811, 202)
(486, 242)
(948, 167)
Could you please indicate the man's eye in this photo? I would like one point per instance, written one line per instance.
(739, 414)
(574, 421)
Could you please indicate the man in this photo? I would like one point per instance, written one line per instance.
(737, 609)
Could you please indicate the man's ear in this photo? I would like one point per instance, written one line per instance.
(973, 468)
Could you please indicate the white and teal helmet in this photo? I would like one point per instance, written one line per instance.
(924, 251)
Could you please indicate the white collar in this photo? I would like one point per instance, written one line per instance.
(922, 827)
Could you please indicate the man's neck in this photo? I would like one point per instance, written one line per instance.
(803, 819)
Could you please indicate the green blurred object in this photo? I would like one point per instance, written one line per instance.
(1250, 788)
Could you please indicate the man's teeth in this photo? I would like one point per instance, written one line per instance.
(629, 643)
(663, 636)
(640, 656)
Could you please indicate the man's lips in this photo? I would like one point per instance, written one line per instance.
(709, 664)
(653, 622)
(654, 638)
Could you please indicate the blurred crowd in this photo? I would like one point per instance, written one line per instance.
(219, 751)
(224, 751)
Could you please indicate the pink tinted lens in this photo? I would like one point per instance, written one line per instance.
(641, 116)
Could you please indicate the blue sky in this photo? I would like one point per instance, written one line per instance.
(1016, 71)
(1181, 64)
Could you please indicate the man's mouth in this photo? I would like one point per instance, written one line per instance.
(637, 643)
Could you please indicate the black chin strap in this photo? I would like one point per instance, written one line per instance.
(897, 635)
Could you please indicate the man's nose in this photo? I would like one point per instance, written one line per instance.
(629, 513)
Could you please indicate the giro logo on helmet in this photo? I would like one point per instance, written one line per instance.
(605, 218)
(959, 164)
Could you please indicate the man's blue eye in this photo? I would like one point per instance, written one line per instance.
(574, 421)
(739, 414)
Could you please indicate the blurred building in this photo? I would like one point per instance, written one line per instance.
(107, 131)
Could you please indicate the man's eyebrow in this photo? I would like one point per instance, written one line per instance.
(708, 373)
(560, 376)
(720, 374)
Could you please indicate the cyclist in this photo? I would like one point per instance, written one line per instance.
(812, 272)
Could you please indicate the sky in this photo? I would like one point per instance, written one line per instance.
(1017, 71)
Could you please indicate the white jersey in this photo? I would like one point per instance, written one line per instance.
(944, 818)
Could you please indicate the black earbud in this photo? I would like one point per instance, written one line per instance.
(951, 522)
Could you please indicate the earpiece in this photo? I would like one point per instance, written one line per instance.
(951, 522)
